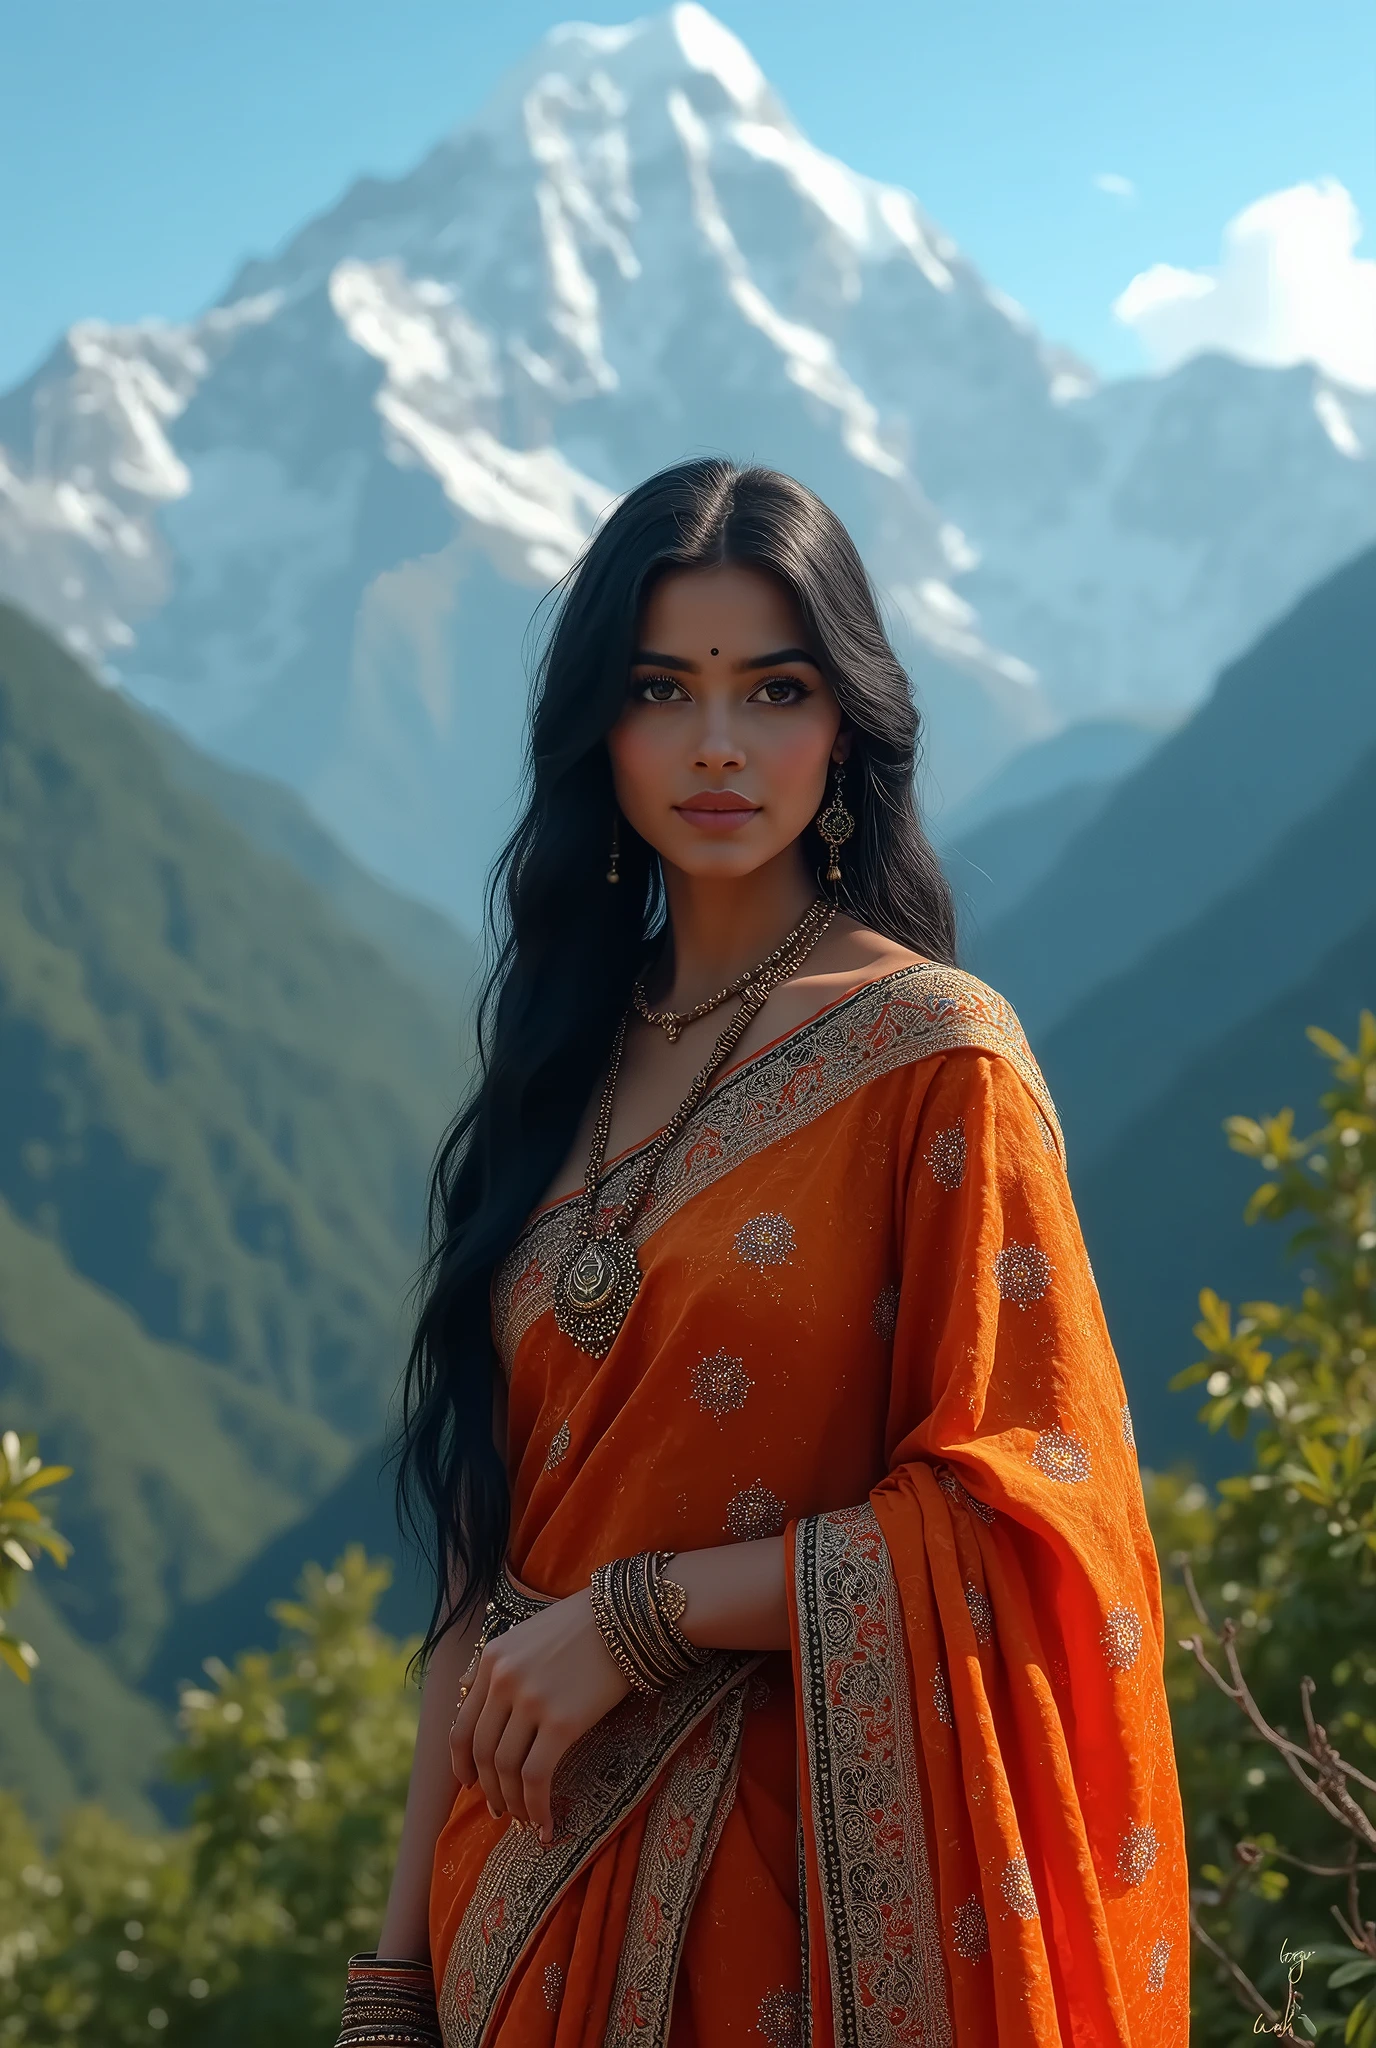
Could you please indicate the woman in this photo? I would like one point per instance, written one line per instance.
(763, 1385)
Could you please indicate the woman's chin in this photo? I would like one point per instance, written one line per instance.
(718, 860)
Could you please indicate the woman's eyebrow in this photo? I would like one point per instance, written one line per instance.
(779, 657)
(646, 658)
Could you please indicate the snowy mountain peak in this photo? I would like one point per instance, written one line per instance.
(311, 527)
(685, 48)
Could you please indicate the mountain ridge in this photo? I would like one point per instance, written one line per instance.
(1274, 738)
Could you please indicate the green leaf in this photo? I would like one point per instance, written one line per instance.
(1351, 1973)
(19, 1656)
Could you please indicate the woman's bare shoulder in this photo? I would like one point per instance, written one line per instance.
(845, 958)
(850, 953)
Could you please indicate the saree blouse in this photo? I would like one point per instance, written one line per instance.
(950, 1814)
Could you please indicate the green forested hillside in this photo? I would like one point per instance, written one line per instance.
(217, 1107)
(423, 946)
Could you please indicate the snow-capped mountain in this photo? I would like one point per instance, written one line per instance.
(312, 526)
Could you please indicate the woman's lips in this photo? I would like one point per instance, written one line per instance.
(718, 810)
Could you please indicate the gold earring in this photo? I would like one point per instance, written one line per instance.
(835, 824)
(612, 875)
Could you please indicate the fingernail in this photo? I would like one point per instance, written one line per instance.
(493, 1811)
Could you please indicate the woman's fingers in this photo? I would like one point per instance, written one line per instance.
(508, 1760)
(465, 1721)
(491, 1727)
(537, 1777)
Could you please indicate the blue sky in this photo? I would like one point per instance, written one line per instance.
(146, 147)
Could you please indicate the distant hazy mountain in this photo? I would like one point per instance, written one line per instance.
(1282, 731)
(1218, 900)
(217, 1108)
(1093, 752)
(1162, 1207)
(1126, 1043)
(992, 868)
(311, 526)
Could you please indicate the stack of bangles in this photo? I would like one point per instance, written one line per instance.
(390, 2003)
(638, 1611)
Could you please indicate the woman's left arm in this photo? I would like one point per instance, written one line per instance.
(547, 1681)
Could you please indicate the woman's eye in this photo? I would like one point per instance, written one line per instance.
(657, 689)
(782, 690)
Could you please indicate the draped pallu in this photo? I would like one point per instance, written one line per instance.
(950, 1816)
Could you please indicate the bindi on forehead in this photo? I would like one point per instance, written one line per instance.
(716, 650)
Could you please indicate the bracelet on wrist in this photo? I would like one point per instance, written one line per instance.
(389, 2002)
(638, 1612)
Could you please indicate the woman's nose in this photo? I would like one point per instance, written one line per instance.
(719, 747)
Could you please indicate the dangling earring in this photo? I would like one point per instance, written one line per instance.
(835, 824)
(612, 875)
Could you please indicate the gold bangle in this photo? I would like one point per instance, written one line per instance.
(639, 1624)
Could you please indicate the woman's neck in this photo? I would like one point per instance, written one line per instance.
(719, 929)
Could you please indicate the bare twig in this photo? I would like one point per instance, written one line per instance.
(1319, 1769)
(1318, 1869)
(1201, 1612)
(1244, 1984)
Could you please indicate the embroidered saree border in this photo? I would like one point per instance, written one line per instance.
(886, 1024)
(600, 1782)
(878, 1906)
(681, 1833)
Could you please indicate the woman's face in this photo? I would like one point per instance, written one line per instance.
(720, 757)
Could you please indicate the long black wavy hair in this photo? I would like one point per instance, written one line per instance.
(566, 947)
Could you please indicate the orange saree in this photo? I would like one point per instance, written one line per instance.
(950, 1815)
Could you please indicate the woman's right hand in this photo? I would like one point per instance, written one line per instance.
(535, 1690)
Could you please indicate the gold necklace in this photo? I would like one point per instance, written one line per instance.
(671, 1022)
(599, 1274)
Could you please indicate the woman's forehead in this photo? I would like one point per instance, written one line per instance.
(726, 605)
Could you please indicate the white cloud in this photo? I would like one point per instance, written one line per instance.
(1289, 288)
(1114, 183)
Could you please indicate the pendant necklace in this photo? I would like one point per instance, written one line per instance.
(599, 1273)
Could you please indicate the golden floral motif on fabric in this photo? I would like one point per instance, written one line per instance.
(954, 1487)
(1121, 1637)
(970, 1929)
(1156, 1963)
(720, 1384)
(1137, 1853)
(552, 1986)
(1016, 1886)
(755, 1512)
(1023, 1273)
(766, 1240)
(887, 1024)
(981, 1613)
(946, 1157)
(1061, 1456)
(681, 1831)
(941, 1698)
(781, 2018)
(884, 1314)
(597, 1784)
(878, 1908)
(558, 1446)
